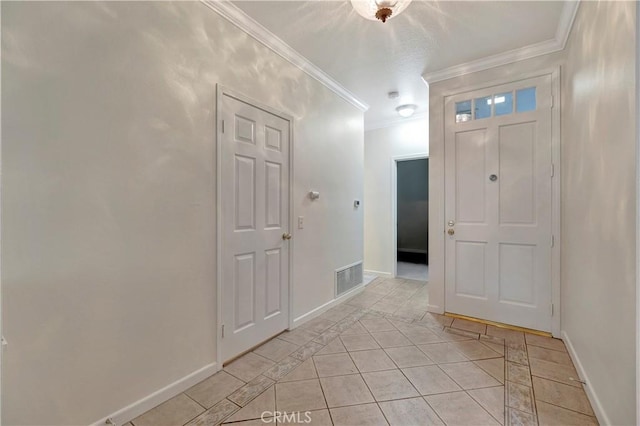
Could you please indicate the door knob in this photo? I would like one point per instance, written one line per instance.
(451, 231)
(286, 236)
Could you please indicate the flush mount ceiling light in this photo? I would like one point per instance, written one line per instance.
(379, 9)
(406, 110)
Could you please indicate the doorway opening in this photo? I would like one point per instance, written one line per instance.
(411, 236)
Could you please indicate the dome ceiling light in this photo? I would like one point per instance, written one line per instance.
(406, 110)
(379, 9)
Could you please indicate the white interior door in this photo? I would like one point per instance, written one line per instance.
(255, 225)
(498, 175)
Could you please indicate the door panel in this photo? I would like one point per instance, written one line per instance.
(245, 130)
(517, 267)
(517, 173)
(273, 173)
(273, 280)
(470, 172)
(244, 290)
(498, 205)
(245, 185)
(470, 269)
(254, 195)
(273, 138)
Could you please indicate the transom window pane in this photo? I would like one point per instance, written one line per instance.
(503, 103)
(526, 99)
(483, 107)
(463, 111)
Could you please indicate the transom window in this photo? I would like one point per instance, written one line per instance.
(496, 105)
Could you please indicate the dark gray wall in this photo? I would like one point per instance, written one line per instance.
(413, 205)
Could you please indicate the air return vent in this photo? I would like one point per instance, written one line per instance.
(348, 277)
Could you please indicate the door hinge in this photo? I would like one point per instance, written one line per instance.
(553, 170)
(553, 240)
(551, 101)
(222, 124)
(552, 309)
(223, 330)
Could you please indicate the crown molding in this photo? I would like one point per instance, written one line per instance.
(383, 124)
(240, 19)
(531, 51)
(567, 17)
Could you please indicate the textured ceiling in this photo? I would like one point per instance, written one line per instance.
(370, 58)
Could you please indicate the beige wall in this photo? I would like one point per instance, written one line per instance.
(108, 245)
(598, 196)
(381, 146)
(598, 209)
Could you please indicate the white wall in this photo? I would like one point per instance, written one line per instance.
(598, 210)
(380, 147)
(108, 196)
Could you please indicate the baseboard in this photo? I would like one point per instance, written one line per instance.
(435, 309)
(368, 279)
(323, 308)
(601, 415)
(380, 274)
(143, 405)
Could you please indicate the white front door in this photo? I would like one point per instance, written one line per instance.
(254, 225)
(498, 175)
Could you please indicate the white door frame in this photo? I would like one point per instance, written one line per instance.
(394, 204)
(637, 220)
(437, 237)
(220, 91)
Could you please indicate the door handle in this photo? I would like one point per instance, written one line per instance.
(451, 231)
(286, 236)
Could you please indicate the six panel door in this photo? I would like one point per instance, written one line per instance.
(255, 221)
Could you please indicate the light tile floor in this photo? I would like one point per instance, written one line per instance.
(380, 359)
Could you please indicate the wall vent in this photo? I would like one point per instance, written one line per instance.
(348, 277)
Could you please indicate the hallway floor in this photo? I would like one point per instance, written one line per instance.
(413, 271)
(380, 358)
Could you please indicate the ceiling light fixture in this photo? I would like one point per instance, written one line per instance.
(379, 9)
(406, 110)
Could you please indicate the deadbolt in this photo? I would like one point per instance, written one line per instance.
(493, 178)
(451, 223)
(451, 231)
(286, 236)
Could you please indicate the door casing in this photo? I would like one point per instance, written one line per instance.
(220, 91)
(437, 302)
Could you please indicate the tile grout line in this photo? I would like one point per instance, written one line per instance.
(466, 390)
(322, 387)
(481, 405)
(420, 393)
(367, 385)
(504, 396)
(568, 409)
(533, 392)
(375, 401)
(185, 394)
(554, 380)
